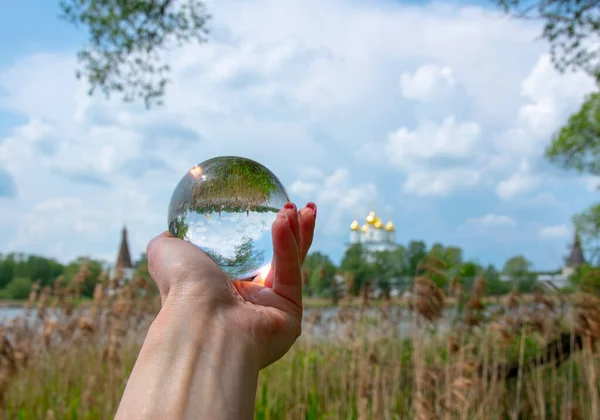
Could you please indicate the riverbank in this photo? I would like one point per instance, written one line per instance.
(20, 304)
(315, 302)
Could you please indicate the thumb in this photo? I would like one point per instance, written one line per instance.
(179, 267)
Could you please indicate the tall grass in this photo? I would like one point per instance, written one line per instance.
(534, 359)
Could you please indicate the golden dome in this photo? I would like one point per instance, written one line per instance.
(365, 227)
(355, 225)
(378, 224)
(371, 218)
(390, 227)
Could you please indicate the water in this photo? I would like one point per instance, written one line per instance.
(327, 328)
(9, 313)
(226, 206)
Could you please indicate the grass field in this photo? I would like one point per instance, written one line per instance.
(533, 358)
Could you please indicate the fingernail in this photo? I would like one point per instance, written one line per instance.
(312, 206)
(290, 206)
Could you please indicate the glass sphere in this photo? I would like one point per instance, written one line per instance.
(226, 206)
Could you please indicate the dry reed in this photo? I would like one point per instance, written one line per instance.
(65, 360)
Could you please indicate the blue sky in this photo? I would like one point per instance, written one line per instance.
(436, 113)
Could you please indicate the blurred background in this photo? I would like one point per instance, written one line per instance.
(452, 141)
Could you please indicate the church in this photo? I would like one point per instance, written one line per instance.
(560, 278)
(123, 268)
(374, 235)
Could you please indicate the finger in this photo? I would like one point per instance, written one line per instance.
(287, 277)
(154, 249)
(292, 213)
(307, 218)
(172, 260)
(266, 278)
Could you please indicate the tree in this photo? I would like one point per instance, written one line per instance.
(312, 268)
(586, 278)
(18, 288)
(577, 144)
(415, 252)
(94, 267)
(388, 267)
(127, 40)
(450, 255)
(321, 280)
(573, 30)
(571, 27)
(453, 256)
(588, 228)
(577, 147)
(355, 263)
(7, 267)
(467, 272)
(518, 270)
(495, 286)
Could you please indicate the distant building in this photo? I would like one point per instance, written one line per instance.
(575, 258)
(123, 267)
(560, 277)
(373, 234)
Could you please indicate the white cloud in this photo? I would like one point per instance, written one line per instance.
(426, 81)
(303, 100)
(487, 223)
(440, 182)
(517, 184)
(552, 232)
(338, 197)
(553, 98)
(550, 98)
(592, 183)
(433, 156)
(448, 140)
(544, 200)
(520, 182)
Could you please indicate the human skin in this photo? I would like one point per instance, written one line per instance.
(203, 351)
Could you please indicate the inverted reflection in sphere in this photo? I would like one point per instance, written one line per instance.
(226, 206)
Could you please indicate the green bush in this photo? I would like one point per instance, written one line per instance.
(18, 288)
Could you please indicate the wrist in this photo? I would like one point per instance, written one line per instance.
(203, 327)
(193, 366)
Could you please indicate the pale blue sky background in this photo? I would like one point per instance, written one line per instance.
(437, 113)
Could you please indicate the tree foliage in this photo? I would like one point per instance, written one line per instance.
(19, 271)
(320, 271)
(128, 39)
(389, 269)
(495, 285)
(577, 147)
(577, 144)
(588, 228)
(415, 252)
(518, 270)
(355, 262)
(94, 267)
(571, 27)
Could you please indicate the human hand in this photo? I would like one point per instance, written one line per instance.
(265, 313)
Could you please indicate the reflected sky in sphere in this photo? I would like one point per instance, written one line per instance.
(226, 206)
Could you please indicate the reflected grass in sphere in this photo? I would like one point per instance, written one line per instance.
(226, 206)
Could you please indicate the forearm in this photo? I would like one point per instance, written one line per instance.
(190, 367)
